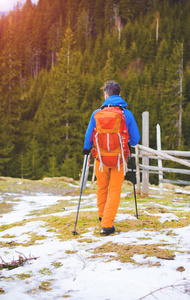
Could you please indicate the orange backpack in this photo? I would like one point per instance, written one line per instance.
(110, 137)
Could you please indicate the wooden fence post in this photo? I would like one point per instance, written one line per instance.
(160, 176)
(145, 159)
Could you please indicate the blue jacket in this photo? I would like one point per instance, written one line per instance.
(131, 124)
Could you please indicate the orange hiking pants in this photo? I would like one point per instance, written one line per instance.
(109, 184)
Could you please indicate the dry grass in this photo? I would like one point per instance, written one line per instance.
(5, 207)
(125, 253)
(52, 209)
(57, 186)
(34, 238)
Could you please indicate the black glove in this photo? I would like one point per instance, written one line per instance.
(86, 151)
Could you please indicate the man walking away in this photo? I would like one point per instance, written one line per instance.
(110, 129)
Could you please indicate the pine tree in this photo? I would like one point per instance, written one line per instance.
(108, 70)
(6, 147)
(99, 14)
(57, 129)
(24, 36)
(84, 29)
(11, 104)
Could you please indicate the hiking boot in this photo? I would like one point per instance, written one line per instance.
(100, 219)
(107, 230)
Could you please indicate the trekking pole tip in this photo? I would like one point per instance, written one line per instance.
(74, 232)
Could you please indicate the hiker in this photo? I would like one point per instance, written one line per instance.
(110, 164)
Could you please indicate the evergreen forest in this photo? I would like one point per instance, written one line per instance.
(54, 59)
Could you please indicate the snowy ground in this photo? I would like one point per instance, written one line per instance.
(70, 267)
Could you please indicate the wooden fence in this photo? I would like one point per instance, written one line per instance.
(146, 153)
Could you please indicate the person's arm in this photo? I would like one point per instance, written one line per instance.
(88, 136)
(132, 127)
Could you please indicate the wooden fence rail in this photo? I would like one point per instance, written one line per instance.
(166, 156)
(144, 151)
(159, 169)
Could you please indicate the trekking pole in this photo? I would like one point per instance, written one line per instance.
(82, 183)
(133, 182)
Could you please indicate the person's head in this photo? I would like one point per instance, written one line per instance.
(111, 88)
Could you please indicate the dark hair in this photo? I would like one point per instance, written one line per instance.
(112, 88)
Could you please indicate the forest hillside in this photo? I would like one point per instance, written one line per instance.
(55, 57)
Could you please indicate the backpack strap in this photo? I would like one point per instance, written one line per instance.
(122, 155)
(99, 155)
